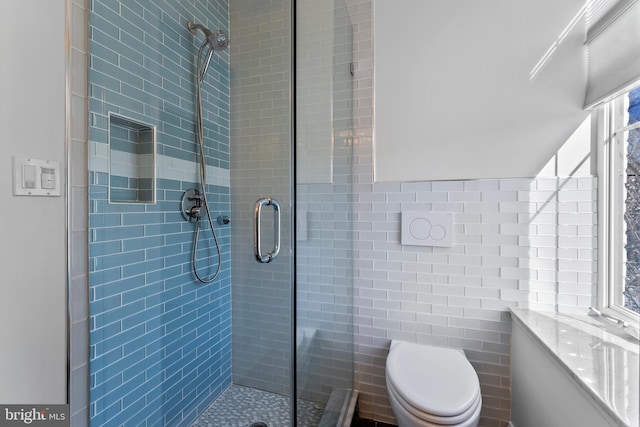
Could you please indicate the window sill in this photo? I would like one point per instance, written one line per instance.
(603, 364)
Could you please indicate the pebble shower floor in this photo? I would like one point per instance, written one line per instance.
(242, 407)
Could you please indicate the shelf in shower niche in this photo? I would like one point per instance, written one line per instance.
(132, 160)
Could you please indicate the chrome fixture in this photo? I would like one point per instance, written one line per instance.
(619, 322)
(214, 40)
(627, 330)
(257, 235)
(192, 205)
(195, 206)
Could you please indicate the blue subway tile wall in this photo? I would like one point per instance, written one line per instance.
(160, 342)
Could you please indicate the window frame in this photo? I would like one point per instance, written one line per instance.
(610, 142)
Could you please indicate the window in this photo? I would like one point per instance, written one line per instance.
(631, 292)
(619, 175)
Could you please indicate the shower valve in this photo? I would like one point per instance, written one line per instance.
(196, 213)
(192, 206)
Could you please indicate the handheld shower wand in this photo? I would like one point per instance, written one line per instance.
(214, 41)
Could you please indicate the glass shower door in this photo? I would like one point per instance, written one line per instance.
(238, 341)
(261, 172)
(273, 346)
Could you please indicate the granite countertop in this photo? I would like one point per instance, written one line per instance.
(605, 364)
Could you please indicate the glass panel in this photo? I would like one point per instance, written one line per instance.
(261, 165)
(631, 292)
(324, 255)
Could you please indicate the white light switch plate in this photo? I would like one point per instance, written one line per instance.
(427, 229)
(33, 177)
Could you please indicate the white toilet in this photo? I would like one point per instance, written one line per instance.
(432, 386)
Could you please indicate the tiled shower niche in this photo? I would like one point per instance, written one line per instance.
(131, 161)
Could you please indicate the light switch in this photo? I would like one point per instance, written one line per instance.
(48, 178)
(28, 176)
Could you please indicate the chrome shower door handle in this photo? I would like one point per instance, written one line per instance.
(257, 235)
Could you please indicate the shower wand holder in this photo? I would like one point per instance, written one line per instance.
(192, 206)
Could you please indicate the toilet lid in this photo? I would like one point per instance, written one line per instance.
(439, 381)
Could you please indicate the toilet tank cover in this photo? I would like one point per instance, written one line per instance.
(436, 380)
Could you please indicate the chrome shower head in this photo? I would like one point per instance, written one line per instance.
(215, 40)
(218, 40)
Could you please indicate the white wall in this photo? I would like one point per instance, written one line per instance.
(33, 253)
(493, 87)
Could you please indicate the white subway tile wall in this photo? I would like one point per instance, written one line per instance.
(517, 243)
(505, 254)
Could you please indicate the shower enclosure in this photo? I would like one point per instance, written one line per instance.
(270, 339)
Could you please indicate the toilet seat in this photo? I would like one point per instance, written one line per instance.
(457, 420)
(407, 418)
(453, 386)
(452, 395)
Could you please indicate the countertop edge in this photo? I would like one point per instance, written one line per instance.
(517, 315)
